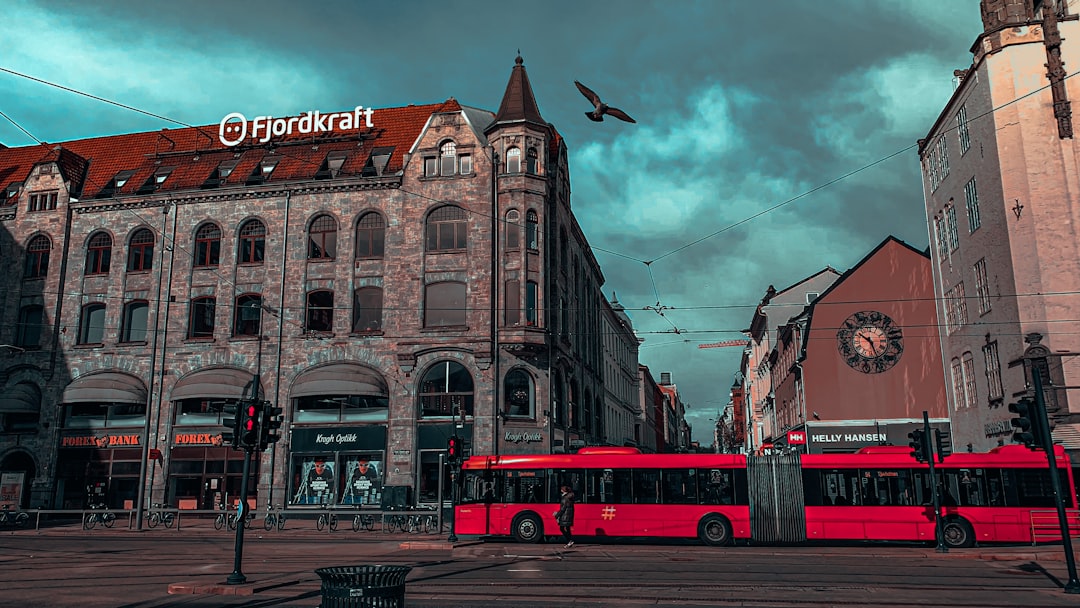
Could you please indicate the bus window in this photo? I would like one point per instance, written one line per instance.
(887, 488)
(716, 487)
(967, 487)
(611, 486)
(840, 487)
(575, 478)
(680, 486)
(523, 487)
(646, 486)
(477, 486)
(812, 488)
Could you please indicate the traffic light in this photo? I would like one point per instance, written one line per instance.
(271, 422)
(944, 444)
(249, 424)
(918, 445)
(231, 420)
(453, 448)
(1026, 425)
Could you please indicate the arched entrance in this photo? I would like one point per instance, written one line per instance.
(17, 471)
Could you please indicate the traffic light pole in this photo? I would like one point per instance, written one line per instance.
(928, 449)
(237, 577)
(1047, 442)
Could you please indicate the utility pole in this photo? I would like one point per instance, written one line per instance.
(928, 447)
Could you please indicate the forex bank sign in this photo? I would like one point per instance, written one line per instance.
(235, 127)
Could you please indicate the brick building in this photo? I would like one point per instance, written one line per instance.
(999, 178)
(389, 278)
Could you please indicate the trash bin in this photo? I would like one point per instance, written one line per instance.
(363, 586)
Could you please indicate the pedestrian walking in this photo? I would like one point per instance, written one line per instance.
(565, 515)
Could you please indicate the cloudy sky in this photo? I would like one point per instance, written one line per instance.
(740, 107)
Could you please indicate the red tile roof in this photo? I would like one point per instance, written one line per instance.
(196, 152)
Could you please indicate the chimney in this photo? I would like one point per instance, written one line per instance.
(665, 378)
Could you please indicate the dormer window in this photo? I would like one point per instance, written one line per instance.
(115, 184)
(331, 166)
(263, 170)
(154, 181)
(811, 296)
(220, 174)
(10, 193)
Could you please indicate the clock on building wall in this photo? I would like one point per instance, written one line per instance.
(870, 342)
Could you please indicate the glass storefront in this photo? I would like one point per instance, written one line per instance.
(89, 472)
(337, 466)
(208, 477)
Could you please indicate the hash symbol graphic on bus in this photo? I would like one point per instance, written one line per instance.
(609, 513)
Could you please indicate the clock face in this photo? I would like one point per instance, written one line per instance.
(870, 342)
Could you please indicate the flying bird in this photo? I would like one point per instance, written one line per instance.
(601, 108)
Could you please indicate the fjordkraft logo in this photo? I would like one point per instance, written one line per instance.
(234, 128)
(796, 438)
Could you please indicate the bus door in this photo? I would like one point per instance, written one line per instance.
(775, 485)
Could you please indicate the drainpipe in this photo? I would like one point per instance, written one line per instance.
(496, 265)
(280, 334)
(165, 332)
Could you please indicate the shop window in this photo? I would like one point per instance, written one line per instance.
(363, 480)
(31, 323)
(37, 257)
(367, 310)
(104, 414)
(446, 229)
(320, 311)
(444, 304)
(370, 234)
(136, 315)
(518, 394)
(322, 238)
(342, 408)
(427, 483)
(252, 243)
(201, 320)
(207, 246)
(92, 324)
(190, 412)
(314, 480)
(512, 226)
(446, 390)
(141, 251)
(248, 315)
(98, 254)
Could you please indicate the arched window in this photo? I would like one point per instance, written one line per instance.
(519, 397)
(322, 238)
(532, 162)
(370, 232)
(447, 158)
(444, 304)
(99, 254)
(513, 229)
(92, 324)
(207, 246)
(532, 239)
(367, 310)
(320, 311)
(37, 257)
(201, 318)
(446, 390)
(31, 322)
(252, 243)
(513, 160)
(136, 315)
(446, 227)
(141, 251)
(248, 315)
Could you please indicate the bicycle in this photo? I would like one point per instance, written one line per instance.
(16, 519)
(99, 513)
(226, 519)
(395, 522)
(272, 520)
(364, 521)
(327, 519)
(161, 516)
(422, 522)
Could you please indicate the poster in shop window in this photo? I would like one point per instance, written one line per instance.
(313, 481)
(363, 482)
(11, 485)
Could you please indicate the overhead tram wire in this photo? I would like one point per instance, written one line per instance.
(19, 127)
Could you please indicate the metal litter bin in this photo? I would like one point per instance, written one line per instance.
(363, 586)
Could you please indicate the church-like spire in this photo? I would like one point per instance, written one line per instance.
(518, 102)
(997, 14)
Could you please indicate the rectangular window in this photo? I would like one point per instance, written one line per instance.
(44, 201)
(958, 383)
(530, 302)
(465, 164)
(513, 302)
(430, 166)
(950, 311)
(970, 394)
(982, 286)
(943, 159)
(28, 333)
(971, 198)
(961, 304)
(995, 390)
(962, 129)
(950, 225)
(942, 237)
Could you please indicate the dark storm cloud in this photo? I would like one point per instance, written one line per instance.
(740, 106)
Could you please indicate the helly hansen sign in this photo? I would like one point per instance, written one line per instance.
(796, 438)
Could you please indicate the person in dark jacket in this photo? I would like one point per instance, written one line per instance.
(565, 515)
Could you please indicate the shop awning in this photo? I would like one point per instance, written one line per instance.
(340, 379)
(106, 387)
(22, 398)
(220, 383)
(1067, 435)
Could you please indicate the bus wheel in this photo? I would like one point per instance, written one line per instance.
(527, 528)
(714, 530)
(957, 534)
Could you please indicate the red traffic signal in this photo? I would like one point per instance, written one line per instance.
(249, 423)
(453, 448)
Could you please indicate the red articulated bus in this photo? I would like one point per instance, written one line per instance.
(878, 493)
